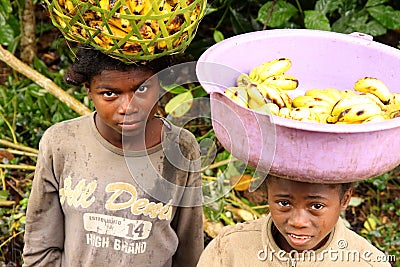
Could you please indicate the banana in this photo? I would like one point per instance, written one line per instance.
(310, 101)
(303, 114)
(346, 93)
(285, 97)
(243, 80)
(350, 101)
(282, 81)
(273, 108)
(373, 86)
(272, 94)
(266, 108)
(359, 113)
(238, 95)
(284, 113)
(329, 94)
(375, 99)
(255, 95)
(270, 68)
(376, 118)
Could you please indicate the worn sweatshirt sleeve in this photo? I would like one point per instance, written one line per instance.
(211, 255)
(188, 221)
(44, 230)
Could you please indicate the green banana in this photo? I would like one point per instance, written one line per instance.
(373, 86)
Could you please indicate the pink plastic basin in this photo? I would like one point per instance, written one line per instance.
(301, 150)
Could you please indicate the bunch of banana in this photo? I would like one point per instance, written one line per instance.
(119, 26)
(263, 90)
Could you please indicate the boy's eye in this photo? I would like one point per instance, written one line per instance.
(283, 203)
(317, 206)
(142, 89)
(108, 94)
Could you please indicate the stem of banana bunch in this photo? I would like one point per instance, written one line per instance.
(43, 81)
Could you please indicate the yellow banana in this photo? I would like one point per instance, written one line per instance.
(284, 113)
(350, 101)
(273, 108)
(303, 114)
(282, 81)
(330, 95)
(375, 99)
(376, 118)
(359, 113)
(270, 68)
(69, 7)
(238, 95)
(285, 97)
(272, 94)
(373, 86)
(346, 93)
(310, 101)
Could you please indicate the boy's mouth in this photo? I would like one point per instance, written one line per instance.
(299, 240)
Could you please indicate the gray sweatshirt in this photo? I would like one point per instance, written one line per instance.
(93, 204)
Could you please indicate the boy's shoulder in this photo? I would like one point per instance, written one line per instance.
(65, 130)
(243, 231)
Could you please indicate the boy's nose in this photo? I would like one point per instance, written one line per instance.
(127, 104)
(299, 218)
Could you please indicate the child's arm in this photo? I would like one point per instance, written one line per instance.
(44, 231)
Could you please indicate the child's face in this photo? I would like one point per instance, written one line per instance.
(304, 213)
(124, 103)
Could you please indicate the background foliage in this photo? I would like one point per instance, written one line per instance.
(26, 110)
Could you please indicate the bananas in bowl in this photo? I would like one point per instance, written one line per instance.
(264, 89)
(129, 29)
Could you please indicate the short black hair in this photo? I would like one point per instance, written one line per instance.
(90, 62)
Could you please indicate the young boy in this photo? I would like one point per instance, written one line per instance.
(303, 228)
(102, 193)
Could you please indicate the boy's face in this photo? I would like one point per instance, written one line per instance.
(304, 213)
(124, 103)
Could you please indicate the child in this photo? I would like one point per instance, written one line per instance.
(302, 229)
(101, 193)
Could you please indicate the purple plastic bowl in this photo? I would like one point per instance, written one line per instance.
(297, 150)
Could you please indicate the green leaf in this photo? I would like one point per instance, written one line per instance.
(373, 28)
(6, 35)
(174, 88)
(281, 13)
(218, 36)
(386, 16)
(240, 24)
(316, 20)
(371, 3)
(179, 105)
(355, 201)
(327, 6)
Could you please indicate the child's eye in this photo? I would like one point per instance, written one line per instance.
(142, 88)
(283, 203)
(317, 206)
(108, 94)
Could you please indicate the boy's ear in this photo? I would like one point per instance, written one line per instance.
(346, 198)
(88, 91)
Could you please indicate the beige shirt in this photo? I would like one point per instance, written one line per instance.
(93, 204)
(252, 244)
